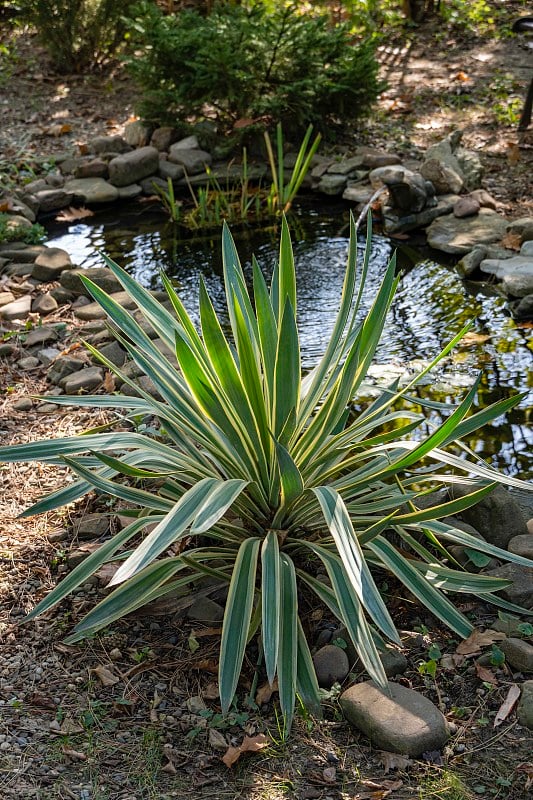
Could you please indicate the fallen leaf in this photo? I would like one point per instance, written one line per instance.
(105, 676)
(206, 665)
(512, 241)
(69, 727)
(83, 149)
(109, 383)
(71, 214)
(265, 692)
(75, 754)
(206, 632)
(250, 744)
(485, 674)
(211, 691)
(217, 740)
(378, 790)
(193, 643)
(528, 769)
(58, 130)
(461, 76)
(508, 704)
(41, 701)
(329, 774)
(169, 768)
(477, 641)
(394, 761)
(6, 205)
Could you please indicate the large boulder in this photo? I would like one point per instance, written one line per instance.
(399, 721)
(92, 191)
(497, 517)
(459, 236)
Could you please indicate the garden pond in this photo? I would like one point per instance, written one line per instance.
(432, 304)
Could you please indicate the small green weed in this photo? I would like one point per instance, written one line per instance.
(9, 232)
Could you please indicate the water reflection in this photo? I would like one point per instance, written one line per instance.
(431, 306)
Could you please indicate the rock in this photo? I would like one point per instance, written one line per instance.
(169, 170)
(345, 166)
(95, 168)
(25, 253)
(151, 185)
(44, 304)
(91, 526)
(16, 206)
(522, 545)
(358, 192)
(519, 591)
(524, 308)
(518, 653)
(92, 311)
(497, 517)
(101, 276)
(163, 137)
(50, 264)
(5, 298)
(23, 404)
(459, 236)
(129, 192)
(61, 296)
(403, 721)
(92, 191)
(14, 221)
(85, 380)
(108, 144)
(466, 206)
(54, 179)
(524, 709)
(29, 362)
(40, 335)
(372, 159)
(444, 178)
(133, 167)
(471, 168)
(193, 161)
(18, 309)
(505, 267)
(331, 665)
(189, 143)
(36, 186)
(408, 190)
(66, 365)
(47, 408)
(508, 625)
(518, 284)
(527, 249)
(114, 353)
(8, 350)
(394, 662)
(53, 199)
(407, 222)
(47, 355)
(137, 134)
(19, 270)
(332, 185)
(469, 263)
(205, 610)
(520, 225)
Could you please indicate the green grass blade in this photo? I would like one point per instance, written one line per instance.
(237, 620)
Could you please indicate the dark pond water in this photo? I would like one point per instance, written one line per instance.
(432, 304)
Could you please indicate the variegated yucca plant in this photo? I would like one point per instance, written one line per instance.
(262, 478)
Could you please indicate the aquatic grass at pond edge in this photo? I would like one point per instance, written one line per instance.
(257, 475)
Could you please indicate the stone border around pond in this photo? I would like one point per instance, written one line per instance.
(442, 195)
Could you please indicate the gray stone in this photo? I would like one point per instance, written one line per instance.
(150, 185)
(466, 206)
(109, 144)
(169, 170)
(5, 298)
(84, 380)
(20, 270)
(193, 161)
(53, 199)
(471, 168)
(66, 365)
(346, 166)
(92, 191)
(50, 264)
(28, 252)
(29, 362)
(18, 207)
(401, 721)
(46, 408)
(527, 249)
(163, 137)
(18, 309)
(497, 517)
(129, 192)
(101, 276)
(61, 295)
(469, 263)
(91, 526)
(54, 179)
(114, 353)
(205, 610)
(14, 221)
(407, 222)
(92, 311)
(332, 185)
(189, 143)
(137, 134)
(394, 662)
(524, 308)
(524, 709)
(95, 168)
(371, 159)
(40, 335)
(459, 236)
(47, 355)
(23, 404)
(358, 192)
(36, 186)
(44, 304)
(8, 350)
(519, 284)
(522, 545)
(508, 625)
(331, 665)
(484, 199)
(519, 591)
(520, 225)
(133, 167)
(518, 653)
(504, 267)
(444, 177)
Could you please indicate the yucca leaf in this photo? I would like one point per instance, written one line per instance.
(236, 292)
(448, 509)
(219, 499)
(306, 682)
(271, 602)
(268, 336)
(237, 616)
(288, 641)
(286, 274)
(446, 531)
(287, 370)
